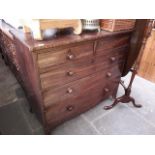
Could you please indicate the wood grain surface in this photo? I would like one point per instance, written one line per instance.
(68, 75)
(147, 62)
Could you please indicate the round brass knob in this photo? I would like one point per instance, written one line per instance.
(69, 90)
(70, 73)
(106, 90)
(112, 59)
(109, 74)
(69, 108)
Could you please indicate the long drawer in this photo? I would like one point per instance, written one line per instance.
(60, 75)
(77, 88)
(70, 107)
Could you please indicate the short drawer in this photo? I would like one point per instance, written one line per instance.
(81, 86)
(110, 43)
(56, 57)
(63, 74)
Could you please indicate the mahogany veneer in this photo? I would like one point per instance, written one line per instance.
(68, 75)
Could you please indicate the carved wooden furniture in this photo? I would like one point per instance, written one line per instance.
(126, 98)
(140, 33)
(114, 25)
(68, 75)
(38, 25)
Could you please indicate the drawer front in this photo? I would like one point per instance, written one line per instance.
(68, 108)
(110, 43)
(52, 58)
(60, 75)
(79, 87)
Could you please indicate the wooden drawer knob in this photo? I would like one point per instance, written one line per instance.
(69, 90)
(69, 108)
(70, 56)
(106, 90)
(70, 73)
(112, 59)
(109, 74)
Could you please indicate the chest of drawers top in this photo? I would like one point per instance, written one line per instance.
(59, 40)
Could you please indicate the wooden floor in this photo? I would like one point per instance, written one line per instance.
(147, 63)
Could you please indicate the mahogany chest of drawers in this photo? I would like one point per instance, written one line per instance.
(67, 75)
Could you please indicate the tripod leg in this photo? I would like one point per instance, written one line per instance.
(111, 106)
(134, 104)
(126, 97)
